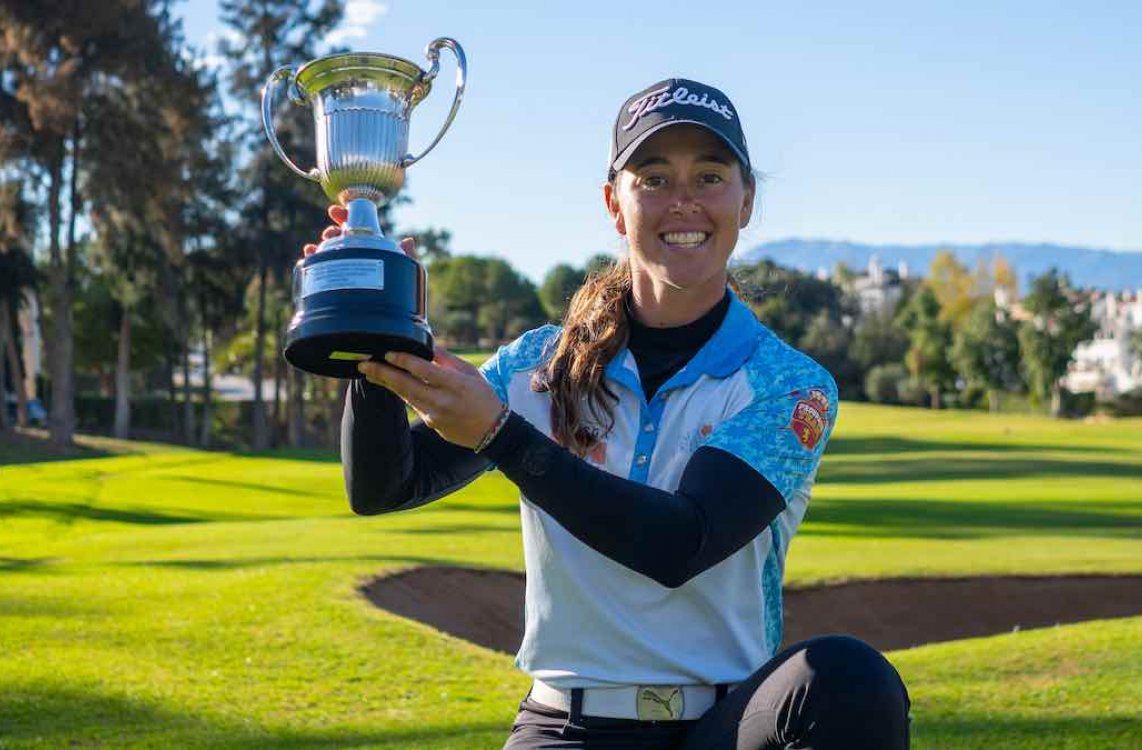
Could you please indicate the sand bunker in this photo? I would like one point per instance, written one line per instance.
(486, 606)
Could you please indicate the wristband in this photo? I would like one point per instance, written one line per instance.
(494, 430)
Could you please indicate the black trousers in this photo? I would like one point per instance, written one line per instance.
(828, 693)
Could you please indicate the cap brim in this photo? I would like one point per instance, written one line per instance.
(624, 156)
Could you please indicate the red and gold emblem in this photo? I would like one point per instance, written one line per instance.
(810, 418)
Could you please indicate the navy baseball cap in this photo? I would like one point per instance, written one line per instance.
(675, 101)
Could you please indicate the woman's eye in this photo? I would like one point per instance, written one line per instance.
(653, 181)
(711, 178)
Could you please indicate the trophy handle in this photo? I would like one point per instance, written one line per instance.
(432, 52)
(285, 71)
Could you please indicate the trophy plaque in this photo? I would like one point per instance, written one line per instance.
(359, 295)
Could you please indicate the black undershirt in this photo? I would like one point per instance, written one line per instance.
(661, 352)
(720, 505)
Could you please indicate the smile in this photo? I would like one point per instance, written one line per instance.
(684, 239)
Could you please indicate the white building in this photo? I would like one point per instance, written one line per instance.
(877, 291)
(1106, 365)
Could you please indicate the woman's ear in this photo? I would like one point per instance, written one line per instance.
(611, 198)
(747, 207)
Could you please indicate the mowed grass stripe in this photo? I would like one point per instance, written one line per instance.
(202, 600)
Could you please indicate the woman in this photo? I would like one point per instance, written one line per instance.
(664, 443)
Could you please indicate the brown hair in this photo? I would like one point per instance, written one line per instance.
(595, 329)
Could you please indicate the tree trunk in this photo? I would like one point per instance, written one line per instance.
(993, 400)
(336, 411)
(934, 395)
(1056, 400)
(296, 407)
(5, 334)
(187, 389)
(8, 317)
(122, 428)
(277, 420)
(61, 421)
(261, 434)
(207, 390)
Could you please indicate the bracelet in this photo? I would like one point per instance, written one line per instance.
(494, 430)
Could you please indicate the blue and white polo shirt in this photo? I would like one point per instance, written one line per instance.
(592, 622)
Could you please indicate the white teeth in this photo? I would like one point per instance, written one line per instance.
(685, 238)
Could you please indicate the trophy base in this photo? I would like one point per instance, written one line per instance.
(353, 304)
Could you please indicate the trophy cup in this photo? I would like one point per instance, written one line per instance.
(359, 295)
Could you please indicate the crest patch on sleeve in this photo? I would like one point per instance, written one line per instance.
(810, 417)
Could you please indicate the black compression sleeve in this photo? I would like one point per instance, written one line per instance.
(720, 505)
(389, 465)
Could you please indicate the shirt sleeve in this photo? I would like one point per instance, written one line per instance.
(720, 505)
(390, 465)
(782, 436)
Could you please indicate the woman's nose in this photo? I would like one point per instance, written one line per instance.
(684, 198)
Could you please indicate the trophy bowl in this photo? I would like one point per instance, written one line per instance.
(359, 295)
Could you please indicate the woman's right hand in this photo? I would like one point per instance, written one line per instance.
(338, 214)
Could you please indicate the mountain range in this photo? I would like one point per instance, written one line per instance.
(1100, 269)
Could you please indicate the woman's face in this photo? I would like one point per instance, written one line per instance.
(680, 202)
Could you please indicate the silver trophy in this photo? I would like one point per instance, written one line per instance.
(359, 295)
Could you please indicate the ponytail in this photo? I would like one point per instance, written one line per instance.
(595, 329)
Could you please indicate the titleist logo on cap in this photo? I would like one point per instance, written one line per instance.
(663, 97)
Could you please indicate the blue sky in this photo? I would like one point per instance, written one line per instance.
(874, 121)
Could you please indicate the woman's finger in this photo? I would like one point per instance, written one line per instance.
(330, 232)
(338, 213)
(446, 359)
(412, 388)
(408, 244)
(309, 249)
(426, 372)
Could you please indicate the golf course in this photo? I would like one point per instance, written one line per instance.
(160, 598)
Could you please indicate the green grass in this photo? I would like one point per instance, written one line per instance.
(165, 598)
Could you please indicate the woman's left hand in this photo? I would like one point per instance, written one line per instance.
(449, 394)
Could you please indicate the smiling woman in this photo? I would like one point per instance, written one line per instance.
(665, 444)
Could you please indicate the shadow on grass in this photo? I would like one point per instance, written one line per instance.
(449, 505)
(975, 467)
(72, 512)
(456, 529)
(241, 563)
(56, 717)
(24, 564)
(973, 732)
(966, 519)
(234, 485)
(841, 445)
(27, 448)
(316, 455)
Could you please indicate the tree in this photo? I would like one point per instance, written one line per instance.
(432, 244)
(281, 211)
(1060, 322)
(954, 287)
(57, 60)
(929, 339)
(18, 276)
(599, 263)
(985, 352)
(883, 383)
(473, 297)
(878, 341)
(559, 285)
(829, 342)
(787, 300)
